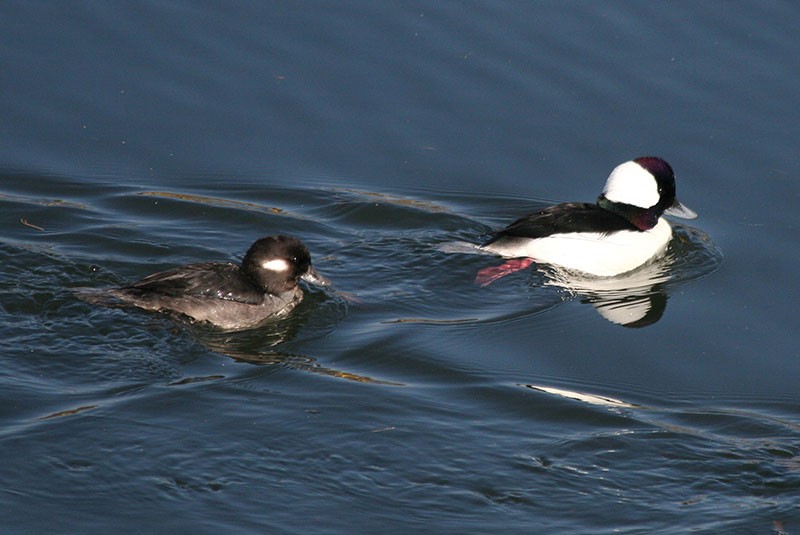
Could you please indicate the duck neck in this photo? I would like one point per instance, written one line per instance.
(642, 218)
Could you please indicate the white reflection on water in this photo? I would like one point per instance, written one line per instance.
(637, 298)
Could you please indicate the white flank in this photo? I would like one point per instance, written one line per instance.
(589, 252)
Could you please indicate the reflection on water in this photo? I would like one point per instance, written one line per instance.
(257, 346)
(634, 299)
(319, 122)
(68, 412)
(629, 307)
(639, 298)
(214, 201)
(592, 399)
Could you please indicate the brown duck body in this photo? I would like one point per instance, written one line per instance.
(223, 294)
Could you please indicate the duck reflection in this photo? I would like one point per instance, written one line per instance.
(260, 346)
(636, 299)
(639, 298)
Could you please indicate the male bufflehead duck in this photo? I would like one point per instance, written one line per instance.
(619, 233)
(223, 294)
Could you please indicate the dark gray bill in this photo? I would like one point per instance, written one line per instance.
(679, 210)
(314, 277)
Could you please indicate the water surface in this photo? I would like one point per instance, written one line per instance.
(139, 137)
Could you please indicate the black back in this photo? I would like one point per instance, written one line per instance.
(565, 218)
(211, 279)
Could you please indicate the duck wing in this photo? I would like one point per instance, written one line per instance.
(565, 218)
(215, 280)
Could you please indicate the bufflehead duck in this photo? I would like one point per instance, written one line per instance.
(619, 233)
(223, 294)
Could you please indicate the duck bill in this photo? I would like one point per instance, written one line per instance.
(679, 210)
(312, 276)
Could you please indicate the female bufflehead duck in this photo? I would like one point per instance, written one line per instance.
(619, 233)
(223, 294)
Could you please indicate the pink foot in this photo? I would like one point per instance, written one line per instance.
(486, 276)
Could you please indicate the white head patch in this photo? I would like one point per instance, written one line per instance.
(630, 183)
(276, 264)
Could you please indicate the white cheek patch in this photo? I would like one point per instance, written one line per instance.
(276, 264)
(630, 183)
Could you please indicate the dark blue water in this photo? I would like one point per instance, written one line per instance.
(136, 137)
